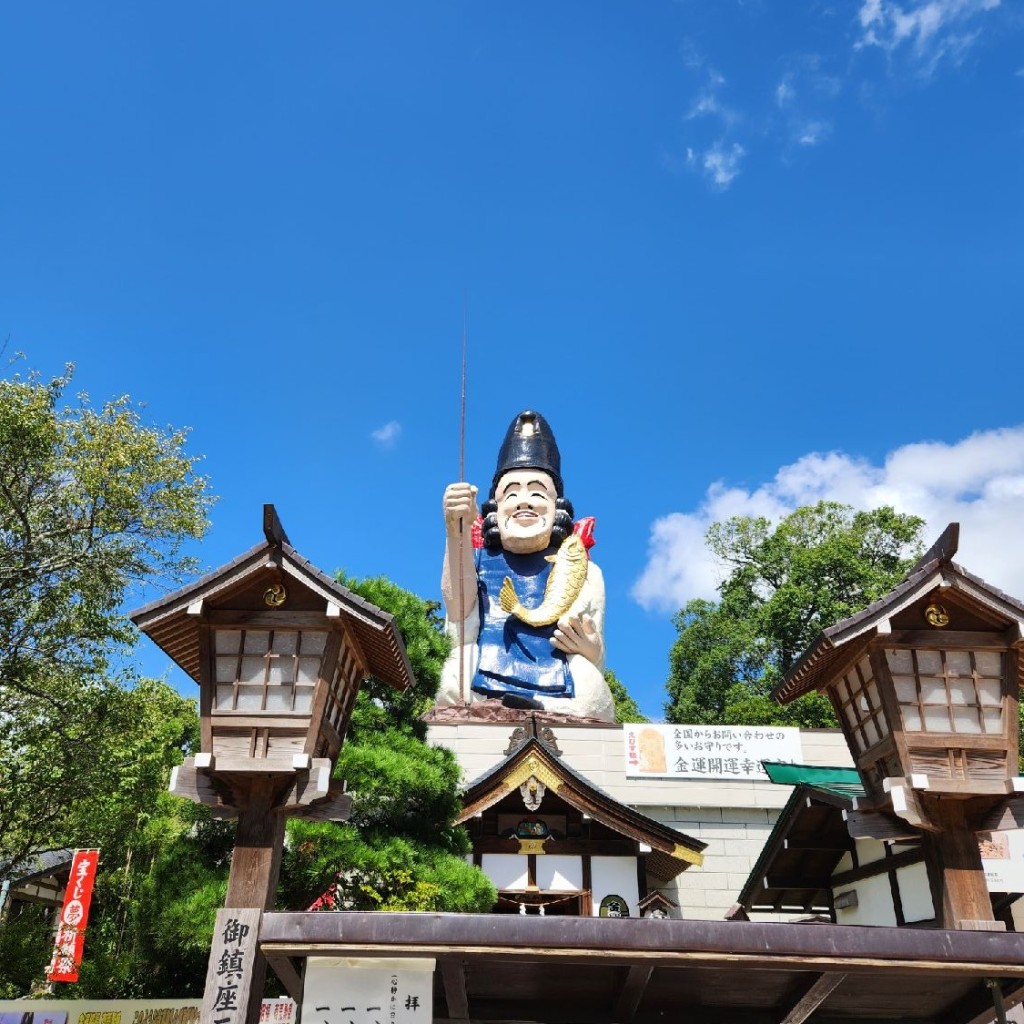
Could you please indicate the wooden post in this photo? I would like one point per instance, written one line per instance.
(955, 872)
(256, 861)
(255, 866)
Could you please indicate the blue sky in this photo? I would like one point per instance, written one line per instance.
(741, 255)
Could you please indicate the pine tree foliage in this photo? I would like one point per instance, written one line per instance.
(400, 849)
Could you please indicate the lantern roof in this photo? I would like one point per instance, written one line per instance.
(988, 607)
(175, 629)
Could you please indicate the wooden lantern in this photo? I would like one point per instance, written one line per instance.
(279, 650)
(925, 684)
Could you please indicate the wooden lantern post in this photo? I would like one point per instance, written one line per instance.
(925, 684)
(279, 650)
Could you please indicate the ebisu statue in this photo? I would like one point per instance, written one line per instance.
(524, 602)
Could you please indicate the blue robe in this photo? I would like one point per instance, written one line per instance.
(515, 657)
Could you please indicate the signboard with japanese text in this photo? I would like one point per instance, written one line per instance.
(235, 934)
(127, 1011)
(366, 990)
(708, 751)
(1002, 856)
(74, 915)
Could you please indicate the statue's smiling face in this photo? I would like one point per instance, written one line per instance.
(526, 510)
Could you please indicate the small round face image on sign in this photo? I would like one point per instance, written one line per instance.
(614, 906)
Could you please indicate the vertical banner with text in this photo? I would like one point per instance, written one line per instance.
(67, 946)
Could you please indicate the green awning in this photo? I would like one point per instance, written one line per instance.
(843, 782)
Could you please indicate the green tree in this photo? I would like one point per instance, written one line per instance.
(626, 709)
(163, 862)
(400, 849)
(786, 583)
(91, 501)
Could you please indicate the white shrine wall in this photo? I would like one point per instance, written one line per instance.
(733, 817)
(874, 895)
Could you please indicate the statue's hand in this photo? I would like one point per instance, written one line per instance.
(459, 503)
(577, 634)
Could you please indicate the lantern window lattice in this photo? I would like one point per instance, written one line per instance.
(950, 691)
(341, 697)
(267, 670)
(860, 706)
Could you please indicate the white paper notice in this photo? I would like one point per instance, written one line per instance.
(365, 990)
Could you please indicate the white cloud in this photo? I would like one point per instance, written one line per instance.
(709, 103)
(933, 29)
(810, 133)
(978, 482)
(388, 435)
(720, 163)
(784, 92)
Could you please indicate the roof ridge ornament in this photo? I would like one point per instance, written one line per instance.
(272, 528)
(942, 550)
(532, 729)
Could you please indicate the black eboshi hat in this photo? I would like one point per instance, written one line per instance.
(529, 444)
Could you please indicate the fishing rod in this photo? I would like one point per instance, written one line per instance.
(462, 477)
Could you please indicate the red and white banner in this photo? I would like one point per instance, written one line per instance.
(67, 947)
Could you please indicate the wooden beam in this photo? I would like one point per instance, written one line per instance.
(280, 765)
(796, 884)
(820, 845)
(1004, 817)
(189, 784)
(284, 968)
(278, 619)
(876, 825)
(293, 721)
(206, 689)
(453, 975)
(337, 807)
(877, 867)
(967, 787)
(947, 638)
(631, 993)
(567, 847)
(906, 805)
(816, 994)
